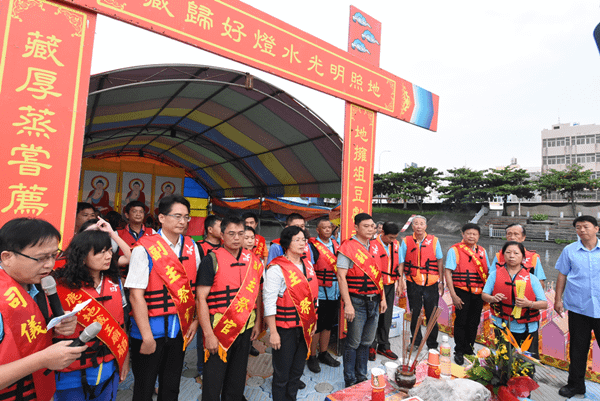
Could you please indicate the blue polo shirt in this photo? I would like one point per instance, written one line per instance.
(582, 268)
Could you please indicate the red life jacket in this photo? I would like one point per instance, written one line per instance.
(287, 316)
(260, 247)
(421, 259)
(387, 265)
(506, 285)
(157, 295)
(206, 247)
(466, 274)
(97, 352)
(358, 281)
(529, 263)
(325, 268)
(25, 333)
(126, 235)
(228, 278)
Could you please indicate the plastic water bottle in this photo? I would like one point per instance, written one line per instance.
(445, 359)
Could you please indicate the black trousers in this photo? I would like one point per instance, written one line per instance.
(288, 364)
(166, 362)
(580, 327)
(420, 296)
(466, 321)
(382, 335)
(226, 381)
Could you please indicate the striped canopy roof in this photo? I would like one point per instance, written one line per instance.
(233, 133)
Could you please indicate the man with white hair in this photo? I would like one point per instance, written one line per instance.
(421, 263)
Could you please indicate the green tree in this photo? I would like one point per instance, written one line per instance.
(415, 183)
(382, 185)
(464, 186)
(508, 181)
(568, 182)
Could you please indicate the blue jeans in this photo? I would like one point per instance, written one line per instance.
(360, 336)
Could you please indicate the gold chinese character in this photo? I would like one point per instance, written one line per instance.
(314, 64)
(293, 54)
(374, 270)
(158, 251)
(251, 285)
(90, 312)
(356, 210)
(294, 278)
(101, 319)
(15, 298)
(29, 200)
(29, 165)
(360, 154)
(31, 329)
(72, 299)
(199, 15)
(361, 133)
(229, 324)
(305, 306)
(109, 329)
(35, 123)
(44, 49)
(159, 5)
(360, 256)
(358, 194)
(359, 174)
(242, 305)
(182, 293)
(374, 87)
(172, 274)
(356, 81)
(116, 335)
(267, 43)
(338, 71)
(188, 313)
(122, 347)
(229, 29)
(43, 79)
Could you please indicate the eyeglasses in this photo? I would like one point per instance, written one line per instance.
(179, 217)
(43, 259)
(299, 240)
(234, 234)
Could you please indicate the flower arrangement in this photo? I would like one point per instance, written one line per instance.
(506, 372)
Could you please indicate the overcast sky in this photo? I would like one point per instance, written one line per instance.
(503, 70)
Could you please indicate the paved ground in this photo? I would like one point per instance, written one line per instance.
(318, 386)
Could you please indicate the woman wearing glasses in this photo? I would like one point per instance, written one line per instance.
(290, 299)
(91, 275)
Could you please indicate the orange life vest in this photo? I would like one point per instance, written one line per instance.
(359, 281)
(421, 259)
(506, 285)
(529, 263)
(157, 295)
(325, 268)
(228, 279)
(97, 352)
(467, 275)
(25, 335)
(388, 265)
(206, 247)
(287, 316)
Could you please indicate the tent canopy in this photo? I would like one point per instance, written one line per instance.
(236, 135)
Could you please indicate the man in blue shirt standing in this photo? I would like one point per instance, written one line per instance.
(579, 268)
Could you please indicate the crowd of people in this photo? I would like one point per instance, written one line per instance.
(154, 291)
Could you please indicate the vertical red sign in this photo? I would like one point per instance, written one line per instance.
(46, 53)
(364, 36)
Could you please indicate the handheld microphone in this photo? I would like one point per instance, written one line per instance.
(87, 335)
(49, 286)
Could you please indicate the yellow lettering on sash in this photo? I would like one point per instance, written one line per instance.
(242, 305)
(305, 306)
(14, 298)
(229, 324)
(251, 285)
(172, 274)
(294, 278)
(31, 329)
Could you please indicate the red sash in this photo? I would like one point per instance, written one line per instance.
(112, 334)
(363, 260)
(480, 270)
(260, 246)
(235, 317)
(174, 277)
(301, 295)
(325, 252)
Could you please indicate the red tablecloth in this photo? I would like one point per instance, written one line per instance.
(362, 392)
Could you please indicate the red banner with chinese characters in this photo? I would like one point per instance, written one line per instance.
(242, 33)
(357, 169)
(44, 77)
